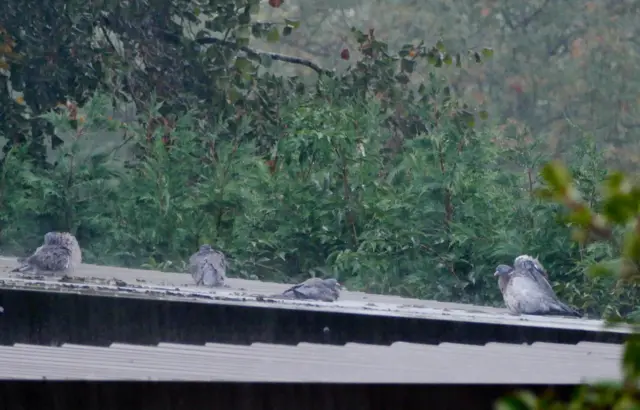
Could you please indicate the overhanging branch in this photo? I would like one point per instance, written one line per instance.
(258, 53)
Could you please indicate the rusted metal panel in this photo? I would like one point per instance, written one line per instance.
(539, 363)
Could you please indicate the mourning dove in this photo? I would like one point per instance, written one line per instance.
(523, 294)
(59, 254)
(208, 267)
(326, 290)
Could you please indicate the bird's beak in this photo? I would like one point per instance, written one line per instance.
(496, 273)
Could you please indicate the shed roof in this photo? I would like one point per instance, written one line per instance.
(122, 282)
(539, 363)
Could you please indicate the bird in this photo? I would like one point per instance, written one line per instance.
(208, 267)
(534, 268)
(523, 294)
(325, 290)
(59, 254)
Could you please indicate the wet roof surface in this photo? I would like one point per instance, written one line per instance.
(122, 282)
(353, 363)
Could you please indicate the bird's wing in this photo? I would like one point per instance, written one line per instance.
(503, 281)
(301, 290)
(194, 268)
(313, 289)
(209, 269)
(333, 290)
(524, 294)
(293, 290)
(529, 297)
(219, 261)
(540, 277)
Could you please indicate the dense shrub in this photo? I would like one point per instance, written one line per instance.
(431, 220)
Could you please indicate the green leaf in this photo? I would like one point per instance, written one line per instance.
(613, 183)
(520, 401)
(557, 176)
(620, 208)
(402, 78)
(292, 23)
(632, 246)
(243, 42)
(487, 52)
(273, 35)
(254, 8)
(440, 45)
(604, 269)
(407, 65)
(266, 60)
(582, 217)
(243, 64)
(483, 115)
(631, 357)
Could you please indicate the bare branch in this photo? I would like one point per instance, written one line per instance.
(258, 53)
(524, 23)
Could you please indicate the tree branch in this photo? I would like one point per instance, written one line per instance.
(524, 23)
(257, 53)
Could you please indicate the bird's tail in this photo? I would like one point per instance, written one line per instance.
(281, 296)
(211, 276)
(24, 268)
(566, 310)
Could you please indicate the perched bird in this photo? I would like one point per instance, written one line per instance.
(523, 294)
(535, 269)
(208, 267)
(326, 290)
(59, 254)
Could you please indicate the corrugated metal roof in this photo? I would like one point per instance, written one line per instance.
(94, 279)
(353, 363)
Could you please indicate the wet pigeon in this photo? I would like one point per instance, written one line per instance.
(523, 294)
(59, 254)
(326, 290)
(535, 269)
(208, 267)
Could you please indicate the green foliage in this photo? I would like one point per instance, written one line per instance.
(430, 219)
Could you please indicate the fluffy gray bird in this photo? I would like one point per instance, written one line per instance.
(59, 254)
(523, 294)
(326, 290)
(208, 267)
